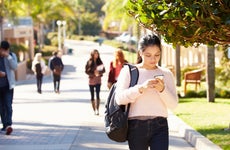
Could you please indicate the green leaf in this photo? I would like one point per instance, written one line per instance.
(188, 13)
(143, 19)
(153, 15)
(160, 7)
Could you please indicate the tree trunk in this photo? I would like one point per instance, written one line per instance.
(1, 20)
(210, 74)
(2, 30)
(178, 69)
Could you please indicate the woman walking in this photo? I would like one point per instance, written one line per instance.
(94, 68)
(115, 67)
(150, 98)
(39, 68)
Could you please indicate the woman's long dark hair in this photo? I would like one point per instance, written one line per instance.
(91, 64)
(98, 60)
(146, 41)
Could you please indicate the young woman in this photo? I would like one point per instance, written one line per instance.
(115, 67)
(39, 68)
(94, 68)
(150, 99)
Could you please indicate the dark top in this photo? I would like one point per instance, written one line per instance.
(3, 80)
(56, 61)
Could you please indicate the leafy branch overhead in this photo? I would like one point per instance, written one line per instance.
(185, 22)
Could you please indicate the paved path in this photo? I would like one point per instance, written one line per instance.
(65, 121)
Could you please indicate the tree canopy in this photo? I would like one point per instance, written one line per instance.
(46, 12)
(115, 12)
(185, 22)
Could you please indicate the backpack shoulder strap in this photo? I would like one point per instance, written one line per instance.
(134, 75)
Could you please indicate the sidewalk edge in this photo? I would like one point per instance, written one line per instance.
(194, 138)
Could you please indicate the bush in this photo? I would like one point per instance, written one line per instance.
(16, 48)
(202, 93)
(224, 94)
(52, 39)
(219, 93)
(191, 94)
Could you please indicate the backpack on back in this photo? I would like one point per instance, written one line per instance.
(57, 70)
(57, 66)
(116, 116)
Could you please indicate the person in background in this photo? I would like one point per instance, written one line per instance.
(39, 68)
(8, 65)
(150, 99)
(115, 67)
(94, 68)
(53, 54)
(56, 66)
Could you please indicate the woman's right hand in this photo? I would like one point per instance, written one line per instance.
(96, 73)
(109, 84)
(150, 84)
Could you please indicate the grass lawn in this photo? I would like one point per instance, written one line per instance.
(209, 119)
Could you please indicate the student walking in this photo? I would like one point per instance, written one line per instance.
(39, 68)
(94, 68)
(8, 65)
(56, 66)
(115, 67)
(150, 99)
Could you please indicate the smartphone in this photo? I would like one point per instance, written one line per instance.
(159, 76)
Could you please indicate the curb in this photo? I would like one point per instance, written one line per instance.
(193, 137)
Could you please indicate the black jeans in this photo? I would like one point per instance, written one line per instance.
(56, 81)
(39, 82)
(6, 99)
(152, 133)
(97, 87)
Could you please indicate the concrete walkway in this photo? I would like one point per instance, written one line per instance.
(65, 121)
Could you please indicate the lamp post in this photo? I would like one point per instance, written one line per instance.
(64, 31)
(59, 34)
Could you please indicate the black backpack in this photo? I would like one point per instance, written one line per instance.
(38, 69)
(116, 116)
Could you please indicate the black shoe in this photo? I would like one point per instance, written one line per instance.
(40, 91)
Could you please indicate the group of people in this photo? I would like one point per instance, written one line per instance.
(8, 66)
(94, 68)
(39, 68)
(150, 99)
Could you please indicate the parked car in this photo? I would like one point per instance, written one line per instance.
(125, 37)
